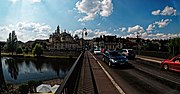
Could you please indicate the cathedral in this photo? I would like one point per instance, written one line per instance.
(61, 40)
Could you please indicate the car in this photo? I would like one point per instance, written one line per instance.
(129, 53)
(114, 58)
(97, 51)
(171, 64)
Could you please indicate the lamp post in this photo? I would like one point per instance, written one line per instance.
(138, 40)
(83, 31)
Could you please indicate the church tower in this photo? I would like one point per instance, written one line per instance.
(58, 30)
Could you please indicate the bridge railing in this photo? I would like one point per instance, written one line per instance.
(71, 80)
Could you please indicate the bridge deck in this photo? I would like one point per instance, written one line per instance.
(93, 80)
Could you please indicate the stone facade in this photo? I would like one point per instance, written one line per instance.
(62, 41)
(107, 42)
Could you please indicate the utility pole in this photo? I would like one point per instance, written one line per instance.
(173, 46)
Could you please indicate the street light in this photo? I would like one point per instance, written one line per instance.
(84, 30)
(138, 40)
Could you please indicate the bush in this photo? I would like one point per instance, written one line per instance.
(26, 50)
(37, 50)
(19, 50)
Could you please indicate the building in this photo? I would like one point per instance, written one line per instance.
(110, 42)
(62, 41)
(107, 42)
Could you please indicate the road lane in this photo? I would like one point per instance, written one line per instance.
(146, 77)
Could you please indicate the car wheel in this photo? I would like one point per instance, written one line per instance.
(110, 64)
(165, 67)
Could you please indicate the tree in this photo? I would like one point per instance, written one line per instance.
(19, 50)
(12, 42)
(37, 50)
(26, 50)
(174, 46)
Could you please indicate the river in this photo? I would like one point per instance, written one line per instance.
(21, 70)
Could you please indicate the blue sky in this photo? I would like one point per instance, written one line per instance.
(37, 19)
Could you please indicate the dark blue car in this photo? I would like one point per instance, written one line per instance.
(114, 58)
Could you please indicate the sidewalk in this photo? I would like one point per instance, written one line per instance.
(148, 58)
(93, 79)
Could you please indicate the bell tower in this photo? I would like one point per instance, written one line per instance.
(58, 30)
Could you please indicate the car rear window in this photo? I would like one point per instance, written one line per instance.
(115, 54)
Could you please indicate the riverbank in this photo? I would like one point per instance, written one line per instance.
(52, 82)
(43, 56)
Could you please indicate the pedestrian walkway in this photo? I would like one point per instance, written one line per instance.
(93, 80)
(148, 58)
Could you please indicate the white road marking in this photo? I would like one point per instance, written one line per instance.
(109, 76)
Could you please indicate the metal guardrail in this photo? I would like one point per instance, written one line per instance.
(69, 84)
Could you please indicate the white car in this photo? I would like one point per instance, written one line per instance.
(129, 53)
(97, 51)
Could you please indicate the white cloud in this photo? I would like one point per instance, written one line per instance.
(91, 33)
(36, 1)
(34, 27)
(13, 1)
(94, 7)
(29, 1)
(106, 8)
(4, 30)
(168, 11)
(156, 12)
(26, 31)
(163, 23)
(41, 36)
(150, 27)
(136, 28)
(146, 35)
(122, 29)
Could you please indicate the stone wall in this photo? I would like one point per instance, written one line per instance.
(157, 54)
(62, 53)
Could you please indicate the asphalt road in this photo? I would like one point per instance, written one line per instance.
(144, 77)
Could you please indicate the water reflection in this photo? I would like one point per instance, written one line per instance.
(18, 70)
(12, 67)
(2, 81)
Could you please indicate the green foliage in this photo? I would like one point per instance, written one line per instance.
(174, 45)
(12, 42)
(37, 50)
(19, 50)
(26, 50)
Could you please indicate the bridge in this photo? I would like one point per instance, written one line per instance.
(89, 75)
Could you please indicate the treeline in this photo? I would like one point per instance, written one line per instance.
(12, 46)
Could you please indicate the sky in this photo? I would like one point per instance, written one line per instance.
(37, 19)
